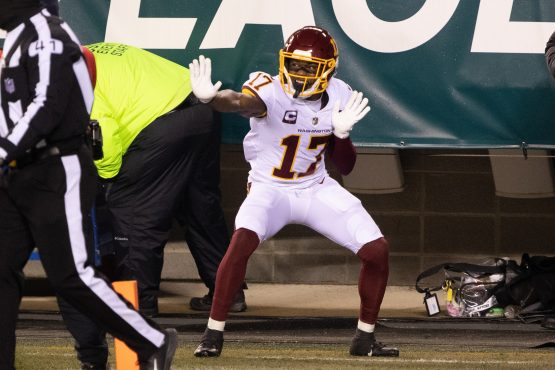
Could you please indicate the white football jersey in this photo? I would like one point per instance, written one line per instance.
(286, 147)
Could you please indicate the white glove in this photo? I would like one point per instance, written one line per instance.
(201, 79)
(354, 110)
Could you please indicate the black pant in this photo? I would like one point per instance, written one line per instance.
(90, 338)
(200, 212)
(45, 205)
(170, 170)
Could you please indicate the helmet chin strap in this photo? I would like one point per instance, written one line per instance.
(310, 91)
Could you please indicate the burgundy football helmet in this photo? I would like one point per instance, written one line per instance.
(313, 48)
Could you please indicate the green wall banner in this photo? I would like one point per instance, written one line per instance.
(438, 73)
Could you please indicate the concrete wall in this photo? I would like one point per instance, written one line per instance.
(448, 211)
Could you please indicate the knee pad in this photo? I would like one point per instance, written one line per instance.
(375, 252)
(244, 242)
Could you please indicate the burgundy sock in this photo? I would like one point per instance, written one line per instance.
(373, 278)
(232, 270)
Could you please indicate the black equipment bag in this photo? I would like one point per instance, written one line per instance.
(529, 287)
(532, 282)
(470, 287)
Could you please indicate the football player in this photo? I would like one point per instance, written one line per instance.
(297, 118)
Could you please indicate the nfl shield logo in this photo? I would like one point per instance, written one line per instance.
(314, 121)
(9, 85)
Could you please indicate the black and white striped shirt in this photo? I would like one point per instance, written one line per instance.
(46, 93)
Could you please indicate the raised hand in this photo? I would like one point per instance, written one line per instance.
(201, 79)
(355, 109)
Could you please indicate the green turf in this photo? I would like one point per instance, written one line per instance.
(58, 354)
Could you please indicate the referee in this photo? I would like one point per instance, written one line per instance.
(49, 180)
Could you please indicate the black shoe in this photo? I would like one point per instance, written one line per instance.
(201, 303)
(364, 344)
(149, 312)
(91, 366)
(148, 306)
(205, 303)
(239, 304)
(548, 322)
(162, 358)
(211, 344)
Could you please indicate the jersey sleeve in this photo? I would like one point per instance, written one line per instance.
(260, 84)
(343, 154)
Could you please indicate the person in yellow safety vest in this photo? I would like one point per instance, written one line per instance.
(134, 88)
(161, 161)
